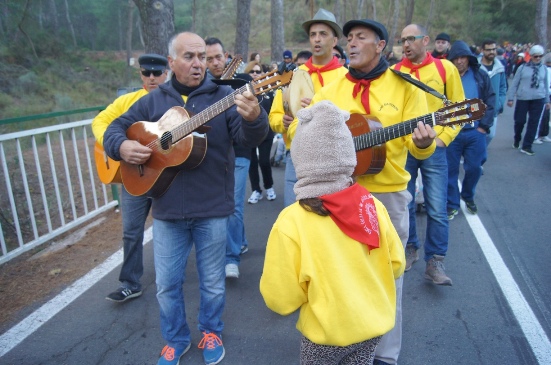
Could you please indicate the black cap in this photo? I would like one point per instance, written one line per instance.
(375, 26)
(152, 62)
(443, 37)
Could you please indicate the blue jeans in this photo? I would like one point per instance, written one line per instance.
(135, 210)
(534, 109)
(236, 225)
(289, 196)
(434, 174)
(492, 133)
(173, 240)
(471, 144)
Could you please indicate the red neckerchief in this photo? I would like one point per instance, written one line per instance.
(353, 211)
(358, 87)
(333, 65)
(415, 68)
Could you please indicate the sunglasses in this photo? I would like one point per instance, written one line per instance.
(538, 56)
(148, 73)
(255, 72)
(410, 39)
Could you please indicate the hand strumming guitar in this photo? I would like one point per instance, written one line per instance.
(248, 106)
(134, 152)
(423, 135)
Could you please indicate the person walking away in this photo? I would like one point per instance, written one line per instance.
(531, 91)
(303, 262)
(470, 143)
(135, 209)
(194, 210)
(543, 130)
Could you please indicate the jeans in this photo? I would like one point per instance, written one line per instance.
(173, 241)
(534, 109)
(135, 210)
(471, 144)
(543, 130)
(289, 196)
(434, 174)
(263, 160)
(236, 225)
(492, 132)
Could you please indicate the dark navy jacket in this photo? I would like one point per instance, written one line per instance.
(485, 90)
(207, 190)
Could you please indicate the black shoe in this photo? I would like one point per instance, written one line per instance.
(516, 145)
(471, 207)
(452, 213)
(123, 294)
(527, 151)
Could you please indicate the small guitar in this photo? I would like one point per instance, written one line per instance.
(369, 137)
(176, 140)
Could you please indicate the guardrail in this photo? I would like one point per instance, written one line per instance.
(48, 184)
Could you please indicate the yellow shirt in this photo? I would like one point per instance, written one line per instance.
(277, 112)
(392, 100)
(453, 89)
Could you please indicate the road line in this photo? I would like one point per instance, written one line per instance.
(15, 335)
(534, 332)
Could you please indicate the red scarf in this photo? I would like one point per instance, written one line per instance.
(333, 65)
(415, 68)
(353, 211)
(362, 83)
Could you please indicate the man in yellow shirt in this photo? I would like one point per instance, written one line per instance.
(441, 75)
(135, 209)
(323, 67)
(370, 87)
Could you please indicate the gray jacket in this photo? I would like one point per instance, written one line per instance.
(520, 87)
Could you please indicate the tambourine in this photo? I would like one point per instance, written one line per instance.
(301, 87)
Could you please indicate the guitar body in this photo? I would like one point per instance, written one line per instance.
(108, 169)
(370, 160)
(155, 176)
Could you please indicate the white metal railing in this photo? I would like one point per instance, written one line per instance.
(48, 185)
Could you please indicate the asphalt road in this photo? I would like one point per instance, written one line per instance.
(497, 312)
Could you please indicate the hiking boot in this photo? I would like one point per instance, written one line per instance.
(527, 151)
(123, 294)
(270, 194)
(171, 356)
(471, 207)
(232, 271)
(255, 197)
(435, 271)
(213, 349)
(411, 256)
(452, 213)
(516, 145)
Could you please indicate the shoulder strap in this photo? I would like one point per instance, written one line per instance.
(419, 84)
(441, 69)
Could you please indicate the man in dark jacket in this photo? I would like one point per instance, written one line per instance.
(195, 208)
(471, 140)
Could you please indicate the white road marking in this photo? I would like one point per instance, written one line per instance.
(15, 335)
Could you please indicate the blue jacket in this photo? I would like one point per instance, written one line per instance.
(499, 83)
(207, 190)
(485, 90)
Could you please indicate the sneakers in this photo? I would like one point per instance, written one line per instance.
(435, 271)
(411, 256)
(255, 197)
(213, 349)
(516, 145)
(471, 207)
(244, 249)
(232, 271)
(270, 194)
(537, 141)
(527, 151)
(545, 139)
(452, 213)
(123, 294)
(171, 356)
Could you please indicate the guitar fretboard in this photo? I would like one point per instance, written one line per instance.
(383, 135)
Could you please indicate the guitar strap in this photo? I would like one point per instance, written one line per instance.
(421, 85)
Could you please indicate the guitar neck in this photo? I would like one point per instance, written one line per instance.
(380, 136)
(203, 117)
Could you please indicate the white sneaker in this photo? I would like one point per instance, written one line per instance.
(232, 271)
(270, 194)
(545, 139)
(537, 141)
(255, 197)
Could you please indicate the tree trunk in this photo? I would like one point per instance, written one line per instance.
(53, 12)
(70, 23)
(429, 17)
(337, 11)
(394, 27)
(410, 6)
(130, 26)
(541, 22)
(374, 9)
(193, 15)
(157, 24)
(20, 27)
(243, 28)
(360, 9)
(278, 32)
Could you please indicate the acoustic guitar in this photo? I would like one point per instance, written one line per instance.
(231, 68)
(369, 137)
(179, 142)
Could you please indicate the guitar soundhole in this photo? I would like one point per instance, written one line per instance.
(166, 140)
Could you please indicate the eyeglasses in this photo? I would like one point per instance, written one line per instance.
(537, 56)
(410, 39)
(489, 49)
(337, 55)
(148, 73)
(255, 71)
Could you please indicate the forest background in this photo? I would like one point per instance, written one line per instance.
(58, 55)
